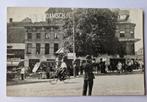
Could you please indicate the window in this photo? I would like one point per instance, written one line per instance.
(38, 36)
(52, 29)
(47, 48)
(29, 47)
(29, 36)
(122, 17)
(42, 28)
(56, 36)
(122, 34)
(47, 35)
(132, 33)
(34, 29)
(37, 48)
(55, 47)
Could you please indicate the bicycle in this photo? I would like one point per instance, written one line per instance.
(60, 75)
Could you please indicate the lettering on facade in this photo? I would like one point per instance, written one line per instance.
(58, 15)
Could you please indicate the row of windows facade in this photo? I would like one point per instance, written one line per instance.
(123, 34)
(38, 48)
(43, 29)
(38, 36)
(125, 30)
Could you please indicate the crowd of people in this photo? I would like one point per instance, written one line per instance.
(77, 67)
(86, 68)
(119, 66)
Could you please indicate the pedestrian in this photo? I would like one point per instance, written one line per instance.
(77, 67)
(119, 67)
(98, 68)
(74, 69)
(81, 67)
(94, 64)
(88, 76)
(22, 72)
(102, 66)
(48, 70)
(130, 64)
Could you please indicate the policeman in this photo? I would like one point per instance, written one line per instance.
(88, 76)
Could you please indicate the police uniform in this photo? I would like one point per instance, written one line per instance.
(88, 77)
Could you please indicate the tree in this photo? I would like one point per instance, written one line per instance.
(95, 32)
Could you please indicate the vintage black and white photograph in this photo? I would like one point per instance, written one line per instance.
(74, 51)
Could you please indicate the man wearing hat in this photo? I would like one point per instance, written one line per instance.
(88, 76)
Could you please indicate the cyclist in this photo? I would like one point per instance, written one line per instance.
(62, 70)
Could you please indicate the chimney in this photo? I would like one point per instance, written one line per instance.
(11, 20)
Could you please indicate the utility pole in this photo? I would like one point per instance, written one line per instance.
(74, 70)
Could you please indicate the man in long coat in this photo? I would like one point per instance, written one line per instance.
(88, 76)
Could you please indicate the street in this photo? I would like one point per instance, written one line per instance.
(103, 85)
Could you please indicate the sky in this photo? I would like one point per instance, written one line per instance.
(38, 14)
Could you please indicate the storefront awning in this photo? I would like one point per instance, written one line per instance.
(60, 51)
(128, 40)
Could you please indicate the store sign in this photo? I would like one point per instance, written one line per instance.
(71, 55)
(58, 15)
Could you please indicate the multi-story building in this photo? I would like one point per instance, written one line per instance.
(42, 40)
(15, 43)
(125, 32)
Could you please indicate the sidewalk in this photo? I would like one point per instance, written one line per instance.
(26, 81)
(29, 81)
